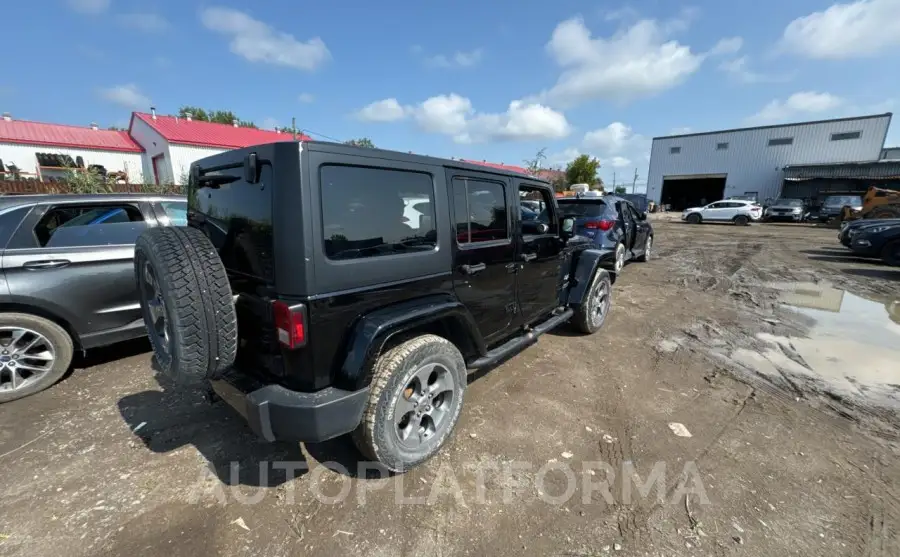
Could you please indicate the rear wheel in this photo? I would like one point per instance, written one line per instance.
(619, 263)
(647, 246)
(741, 220)
(186, 303)
(34, 354)
(890, 254)
(591, 313)
(415, 399)
(693, 218)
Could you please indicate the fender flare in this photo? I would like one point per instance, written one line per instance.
(373, 330)
(586, 266)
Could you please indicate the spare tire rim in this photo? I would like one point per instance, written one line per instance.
(425, 406)
(620, 257)
(25, 357)
(158, 325)
(647, 247)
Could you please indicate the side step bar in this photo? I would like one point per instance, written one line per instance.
(519, 343)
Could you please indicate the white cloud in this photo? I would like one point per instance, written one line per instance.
(386, 110)
(258, 42)
(799, 105)
(270, 123)
(637, 61)
(738, 70)
(459, 59)
(680, 130)
(730, 45)
(89, 6)
(306, 98)
(850, 30)
(616, 146)
(618, 162)
(147, 23)
(127, 95)
(453, 115)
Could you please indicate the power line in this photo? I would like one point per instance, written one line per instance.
(310, 132)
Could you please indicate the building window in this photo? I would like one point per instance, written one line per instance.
(781, 141)
(845, 135)
(674, 150)
(721, 146)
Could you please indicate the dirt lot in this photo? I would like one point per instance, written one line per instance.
(572, 448)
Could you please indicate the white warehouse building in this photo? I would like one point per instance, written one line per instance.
(698, 168)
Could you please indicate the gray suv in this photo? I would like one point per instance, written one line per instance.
(67, 279)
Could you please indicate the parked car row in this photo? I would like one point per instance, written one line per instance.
(873, 238)
(68, 279)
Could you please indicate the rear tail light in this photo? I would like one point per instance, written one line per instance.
(290, 324)
(603, 225)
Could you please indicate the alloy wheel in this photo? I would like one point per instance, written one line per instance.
(156, 307)
(425, 405)
(600, 304)
(620, 257)
(647, 247)
(25, 357)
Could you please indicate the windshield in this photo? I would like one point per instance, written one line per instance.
(582, 208)
(841, 200)
(789, 203)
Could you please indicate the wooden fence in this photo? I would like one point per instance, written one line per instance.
(25, 187)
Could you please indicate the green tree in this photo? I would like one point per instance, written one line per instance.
(534, 165)
(361, 142)
(583, 170)
(215, 116)
(88, 180)
(559, 182)
(621, 189)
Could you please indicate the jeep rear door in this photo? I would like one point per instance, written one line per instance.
(484, 268)
(538, 278)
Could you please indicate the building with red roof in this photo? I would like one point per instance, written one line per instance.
(173, 143)
(46, 150)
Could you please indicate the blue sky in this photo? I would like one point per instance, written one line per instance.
(483, 80)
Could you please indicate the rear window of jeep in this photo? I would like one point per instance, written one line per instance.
(369, 212)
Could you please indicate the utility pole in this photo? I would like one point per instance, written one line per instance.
(614, 182)
(294, 127)
(634, 182)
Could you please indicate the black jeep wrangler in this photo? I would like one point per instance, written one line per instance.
(322, 289)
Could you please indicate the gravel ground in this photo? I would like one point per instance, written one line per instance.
(741, 400)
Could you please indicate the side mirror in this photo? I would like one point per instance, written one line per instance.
(644, 215)
(251, 168)
(568, 226)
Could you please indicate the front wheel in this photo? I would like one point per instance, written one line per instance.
(414, 402)
(890, 254)
(34, 354)
(741, 220)
(591, 313)
(693, 218)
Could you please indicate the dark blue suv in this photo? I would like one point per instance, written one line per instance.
(616, 227)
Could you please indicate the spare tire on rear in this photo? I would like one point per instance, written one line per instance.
(186, 302)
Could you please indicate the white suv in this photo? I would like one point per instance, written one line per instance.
(733, 210)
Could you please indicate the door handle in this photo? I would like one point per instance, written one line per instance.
(473, 269)
(529, 256)
(45, 264)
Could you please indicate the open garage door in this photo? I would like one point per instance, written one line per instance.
(681, 192)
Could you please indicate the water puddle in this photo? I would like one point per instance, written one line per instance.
(851, 351)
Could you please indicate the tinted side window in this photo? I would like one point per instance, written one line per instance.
(114, 234)
(9, 222)
(367, 212)
(480, 210)
(82, 217)
(176, 211)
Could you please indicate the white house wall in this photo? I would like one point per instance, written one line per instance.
(184, 155)
(751, 164)
(154, 145)
(24, 157)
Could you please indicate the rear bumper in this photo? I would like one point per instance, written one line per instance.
(279, 414)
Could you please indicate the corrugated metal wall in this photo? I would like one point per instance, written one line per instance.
(153, 144)
(182, 156)
(23, 156)
(752, 165)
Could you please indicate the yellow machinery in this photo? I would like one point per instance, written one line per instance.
(878, 203)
